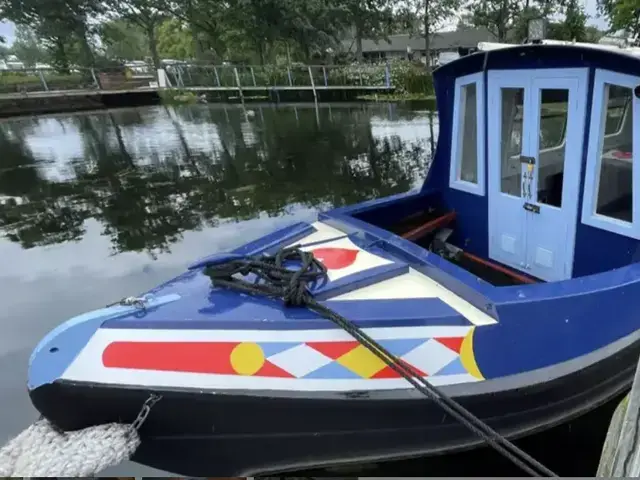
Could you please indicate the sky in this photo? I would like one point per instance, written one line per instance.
(7, 29)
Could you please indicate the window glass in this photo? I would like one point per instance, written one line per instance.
(553, 117)
(468, 169)
(617, 101)
(511, 139)
(614, 196)
(551, 146)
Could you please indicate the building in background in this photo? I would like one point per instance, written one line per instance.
(445, 46)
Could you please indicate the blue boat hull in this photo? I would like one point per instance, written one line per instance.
(248, 433)
(251, 386)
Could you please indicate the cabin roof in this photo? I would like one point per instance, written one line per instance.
(548, 55)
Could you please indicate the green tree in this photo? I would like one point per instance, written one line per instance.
(27, 47)
(123, 40)
(505, 17)
(312, 26)
(622, 14)
(574, 26)
(175, 40)
(427, 17)
(256, 20)
(206, 21)
(434, 14)
(146, 15)
(372, 19)
(68, 17)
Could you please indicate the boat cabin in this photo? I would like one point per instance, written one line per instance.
(534, 174)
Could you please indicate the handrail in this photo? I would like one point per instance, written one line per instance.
(194, 76)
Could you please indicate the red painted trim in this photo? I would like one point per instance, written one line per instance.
(430, 226)
(520, 278)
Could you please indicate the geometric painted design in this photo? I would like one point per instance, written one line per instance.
(335, 258)
(454, 368)
(430, 357)
(328, 360)
(342, 257)
(454, 343)
(300, 360)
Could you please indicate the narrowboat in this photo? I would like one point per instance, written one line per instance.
(509, 281)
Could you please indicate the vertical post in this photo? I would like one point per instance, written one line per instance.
(44, 82)
(313, 84)
(324, 74)
(387, 75)
(235, 72)
(163, 81)
(215, 72)
(95, 79)
(360, 75)
(289, 75)
(180, 81)
(253, 76)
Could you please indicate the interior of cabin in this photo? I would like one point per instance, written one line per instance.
(530, 198)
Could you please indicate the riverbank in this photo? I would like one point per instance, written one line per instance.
(41, 103)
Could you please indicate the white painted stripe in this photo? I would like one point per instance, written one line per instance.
(323, 232)
(335, 334)
(416, 285)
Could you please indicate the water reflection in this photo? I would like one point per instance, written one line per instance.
(148, 175)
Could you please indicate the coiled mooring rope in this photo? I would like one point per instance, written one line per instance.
(42, 450)
(275, 280)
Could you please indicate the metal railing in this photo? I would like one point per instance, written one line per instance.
(286, 76)
(219, 77)
(25, 81)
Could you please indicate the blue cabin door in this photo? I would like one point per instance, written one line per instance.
(536, 121)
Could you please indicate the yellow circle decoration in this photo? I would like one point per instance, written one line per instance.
(247, 358)
(467, 357)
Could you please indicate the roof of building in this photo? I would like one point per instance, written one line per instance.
(466, 38)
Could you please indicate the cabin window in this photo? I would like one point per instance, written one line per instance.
(618, 100)
(609, 199)
(553, 112)
(467, 146)
(512, 116)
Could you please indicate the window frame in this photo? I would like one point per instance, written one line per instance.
(456, 138)
(594, 156)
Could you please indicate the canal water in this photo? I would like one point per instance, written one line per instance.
(98, 206)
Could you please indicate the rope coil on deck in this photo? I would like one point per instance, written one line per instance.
(274, 280)
(42, 450)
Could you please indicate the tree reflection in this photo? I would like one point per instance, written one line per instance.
(263, 163)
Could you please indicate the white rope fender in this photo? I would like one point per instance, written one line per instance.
(44, 451)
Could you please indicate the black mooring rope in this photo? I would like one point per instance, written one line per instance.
(274, 280)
